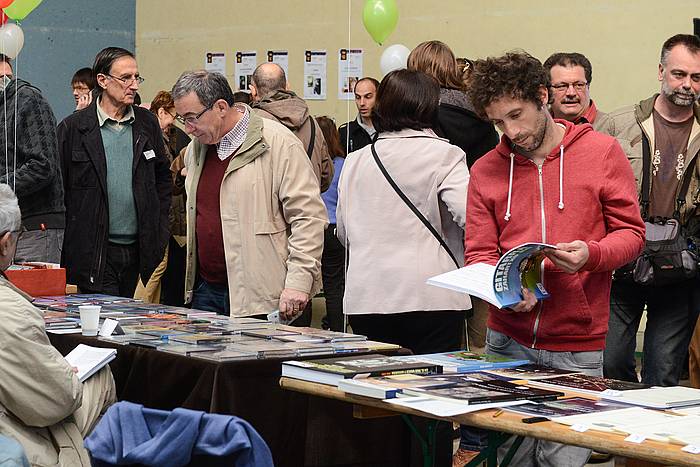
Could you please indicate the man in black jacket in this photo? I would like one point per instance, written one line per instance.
(358, 133)
(31, 166)
(117, 183)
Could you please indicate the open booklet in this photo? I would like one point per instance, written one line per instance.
(89, 360)
(500, 285)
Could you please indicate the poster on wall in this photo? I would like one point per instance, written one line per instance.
(349, 72)
(215, 62)
(280, 57)
(245, 66)
(315, 62)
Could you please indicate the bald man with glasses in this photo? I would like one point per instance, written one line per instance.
(117, 183)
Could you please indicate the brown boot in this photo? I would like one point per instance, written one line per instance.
(462, 457)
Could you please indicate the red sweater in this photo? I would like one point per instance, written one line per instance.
(210, 238)
(596, 202)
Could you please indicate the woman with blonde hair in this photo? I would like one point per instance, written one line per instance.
(457, 120)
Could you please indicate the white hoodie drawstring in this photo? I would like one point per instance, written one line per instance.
(510, 186)
(561, 177)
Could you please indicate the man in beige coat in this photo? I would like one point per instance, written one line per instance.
(272, 99)
(42, 404)
(255, 218)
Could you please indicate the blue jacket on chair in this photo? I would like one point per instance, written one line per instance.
(131, 434)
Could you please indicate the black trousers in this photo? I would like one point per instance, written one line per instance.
(420, 331)
(173, 281)
(333, 272)
(121, 270)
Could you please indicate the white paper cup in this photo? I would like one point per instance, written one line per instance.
(89, 319)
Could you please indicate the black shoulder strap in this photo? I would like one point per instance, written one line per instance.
(413, 208)
(687, 176)
(312, 140)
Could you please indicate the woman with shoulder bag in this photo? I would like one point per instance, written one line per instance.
(401, 214)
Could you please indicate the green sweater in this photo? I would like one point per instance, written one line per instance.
(117, 139)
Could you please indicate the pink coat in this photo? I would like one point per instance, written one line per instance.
(390, 252)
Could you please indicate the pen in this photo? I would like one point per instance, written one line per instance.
(497, 413)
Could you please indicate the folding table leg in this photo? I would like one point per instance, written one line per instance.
(427, 444)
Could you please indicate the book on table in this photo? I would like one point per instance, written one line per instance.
(331, 370)
(657, 397)
(388, 387)
(482, 392)
(529, 371)
(586, 384)
(566, 407)
(89, 360)
(500, 285)
(465, 362)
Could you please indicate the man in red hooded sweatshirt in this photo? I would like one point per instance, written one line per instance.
(554, 182)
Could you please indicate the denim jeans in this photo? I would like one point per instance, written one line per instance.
(211, 297)
(12, 453)
(535, 452)
(672, 312)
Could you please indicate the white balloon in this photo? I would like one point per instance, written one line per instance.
(11, 40)
(394, 57)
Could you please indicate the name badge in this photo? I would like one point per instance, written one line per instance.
(150, 154)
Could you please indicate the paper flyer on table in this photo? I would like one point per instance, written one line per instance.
(315, 62)
(281, 58)
(443, 408)
(246, 61)
(215, 62)
(349, 72)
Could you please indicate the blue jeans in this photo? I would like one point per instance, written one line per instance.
(211, 297)
(12, 453)
(672, 311)
(535, 452)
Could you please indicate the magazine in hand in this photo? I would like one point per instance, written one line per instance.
(500, 285)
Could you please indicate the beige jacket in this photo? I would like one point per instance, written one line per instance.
(38, 390)
(627, 124)
(391, 253)
(272, 218)
(291, 111)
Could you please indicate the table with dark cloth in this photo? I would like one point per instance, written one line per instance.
(299, 429)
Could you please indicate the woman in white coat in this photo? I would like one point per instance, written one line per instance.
(391, 252)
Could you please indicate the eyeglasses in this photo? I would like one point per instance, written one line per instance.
(128, 81)
(563, 87)
(193, 119)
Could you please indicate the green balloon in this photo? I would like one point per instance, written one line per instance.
(380, 18)
(19, 9)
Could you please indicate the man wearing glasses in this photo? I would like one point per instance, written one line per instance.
(255, 218)
(117, 183)
(570, 76)
(665, 126)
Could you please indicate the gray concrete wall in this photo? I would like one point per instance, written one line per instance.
(61, 36)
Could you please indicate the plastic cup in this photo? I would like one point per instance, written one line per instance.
(89, 319)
